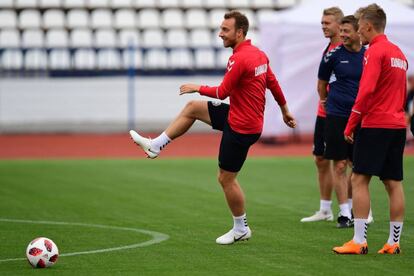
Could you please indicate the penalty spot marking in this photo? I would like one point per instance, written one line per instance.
(156, 236)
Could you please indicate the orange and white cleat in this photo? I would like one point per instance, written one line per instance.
(352, 248)
(390, 249)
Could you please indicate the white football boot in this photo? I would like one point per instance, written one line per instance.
(233, 236)
(144, 143)
(318, 216)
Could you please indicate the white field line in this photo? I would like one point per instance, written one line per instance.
(156, 236)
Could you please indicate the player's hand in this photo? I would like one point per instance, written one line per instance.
(289, 120)
(189, 88)
(349, 138)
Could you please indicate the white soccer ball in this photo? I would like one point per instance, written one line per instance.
(42, 252)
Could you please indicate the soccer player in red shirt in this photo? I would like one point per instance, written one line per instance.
(379, 144)
(247, 76)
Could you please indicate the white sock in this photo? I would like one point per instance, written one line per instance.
(350, 203)
(345, 210)
(360, 230)
(370, 212)
(395, 232)
(160, 142)
(325, 205)
(240, 223)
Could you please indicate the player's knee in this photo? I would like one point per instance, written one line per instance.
(224, 179)
(191, 108)
(340, 167)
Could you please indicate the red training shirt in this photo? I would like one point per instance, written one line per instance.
(247, 76)
(382, 89)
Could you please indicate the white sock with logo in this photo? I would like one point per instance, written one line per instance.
(160, 142)
(240, 223)
(395, 232)
(325, 205)
(345, 210)
(350, 203)
(360, 230)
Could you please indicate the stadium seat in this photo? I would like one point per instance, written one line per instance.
(263, 14)
(196, 18)
(81, 38)
(77, 18)
(204, 59)
(156, 59)
(59, 59)
(163, 4)
(105, 39)
(200, 38)
(251, 16)
(133, 59)
(108, 59)
(125, 37)
(53, 18)
(286, 3)
(50, 4)
(32, 39)
(144, 4)
(149, 18)
(74, 4)
(216, 4)
(121, 4)
(8, 19)
(215, 17)
(261, 4)
(216, 41)
(180, 59)
(94, 4)
(84, 59)
(57, 39)
(188, 4)
(6, 4)
(9, 39)
(177, 38)
(101, 18)
(12, 59)
(35, 59)
(172, 18)
(153, 38)
(237, 4)
(24, 4)
(125, 18)
(29, 19)
(254, 36)
(223, 57)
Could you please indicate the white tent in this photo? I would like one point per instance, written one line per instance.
(294, 42)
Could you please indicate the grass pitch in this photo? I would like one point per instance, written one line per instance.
(181, 198)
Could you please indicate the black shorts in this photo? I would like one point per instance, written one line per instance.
(319, 137)
(336, 148)
(379, 152)
(234, 146)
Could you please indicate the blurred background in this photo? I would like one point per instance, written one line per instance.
(110, 65)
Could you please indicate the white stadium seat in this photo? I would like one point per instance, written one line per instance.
(149, 18)
(74, 3)
(9, 39)
(32, 39)
(144, 4)
(205, 59)
(50, 3)
(260, 4)
(53, 19)
(24, 4)
(196, 18)
(118, 4)
(177, 38)
(12, 59)
(77, 18)
(125, 18)
(109, 59)
(192, 3)
(101, 18)
(153, 38)
(93, 4)
(59, 59)
(125, 37)
(84, 59)
(134, 59)
(217, 42)
(265, 14)
(81, 38)
(156, 59)
(237, 4)
(254, 36)
(200, 38)
(29, 19)
(286, 3)
(57, 39)
(223, 57)
(8, 19)
(172, 18)
(216, 3)
(105, 39)
(180, 59)
(6, 4)
(215, 18)
(168, 3)
(251, 16)
(35, 59)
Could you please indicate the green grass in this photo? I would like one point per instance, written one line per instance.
(181, 198)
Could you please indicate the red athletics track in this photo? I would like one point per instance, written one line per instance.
(46, 146)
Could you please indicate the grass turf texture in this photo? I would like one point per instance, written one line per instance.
(181, 198)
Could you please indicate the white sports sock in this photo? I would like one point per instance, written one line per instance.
(160, 142)
(345, 210)
(395, 232)
(360, 230)
(325, 205)
(240, 223)
(350, 203)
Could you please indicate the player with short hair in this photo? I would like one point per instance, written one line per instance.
(247, 76)
(331, 18)
(379, 145)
